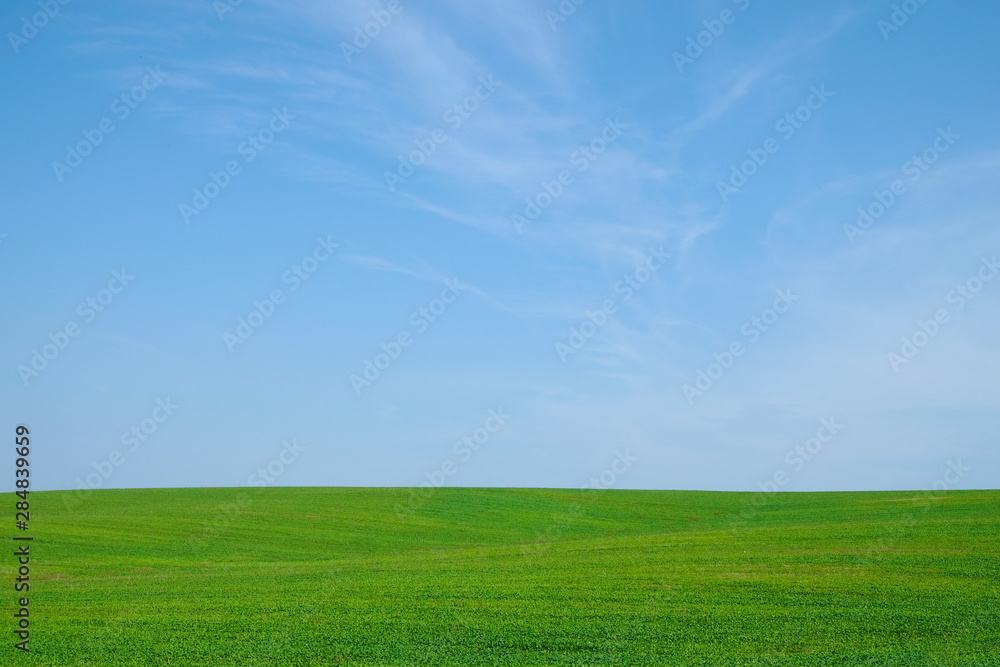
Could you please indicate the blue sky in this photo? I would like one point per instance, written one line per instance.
(267, 112)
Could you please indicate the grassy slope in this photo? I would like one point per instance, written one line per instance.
(318, 576)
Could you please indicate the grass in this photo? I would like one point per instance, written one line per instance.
(337, 576)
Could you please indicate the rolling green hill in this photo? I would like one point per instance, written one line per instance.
(464, 577)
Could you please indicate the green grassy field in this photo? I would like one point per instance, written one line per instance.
(315, 576)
